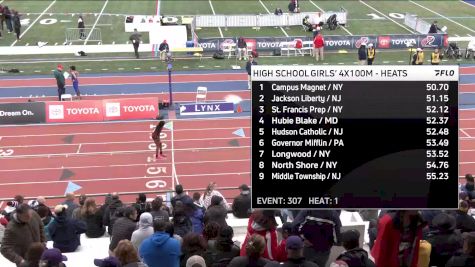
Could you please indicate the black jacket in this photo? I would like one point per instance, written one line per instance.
(242, 206)
(322, 235)
(16, 22)
(357, 257)
(244, 261)
(160, 215)
(65, 233)
(123, 229)
(249, 65)
(464, 222)
(216, 254)
(164, 47)
(216, 214)
(182, 225)
(241, 43)
(110, 216)
(462, 260)
(184, 198)
(95, 227)
(444, 246)
(362, 53)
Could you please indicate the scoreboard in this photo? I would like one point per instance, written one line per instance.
(355, 137)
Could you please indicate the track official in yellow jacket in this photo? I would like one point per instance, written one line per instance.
(371, 54)
(435, 57)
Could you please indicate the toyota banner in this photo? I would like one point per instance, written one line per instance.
(334, 42)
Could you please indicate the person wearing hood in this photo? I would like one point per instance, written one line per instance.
(362, 56)
(65, 231)
(180, 195)
(198, 216)
(145, 229)
(216, 212)
(160, 249)
(321, 231)
(24, 229)
(242, 203)
(123, 227)
(127, 255)
(111, 212)
(354, 255)
(263, 223)
(445, 240)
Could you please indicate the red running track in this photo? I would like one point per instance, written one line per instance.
(118, 157)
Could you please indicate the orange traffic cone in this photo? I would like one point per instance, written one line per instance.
(239, 108)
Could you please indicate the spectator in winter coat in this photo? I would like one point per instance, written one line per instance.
(319, 228)
(123, 227)
(70, 205)
(33, 255)
(24, 228)
(158, 213)
(444, 239)
(144, 231)
(44, 212)
(467, 257)
(362, 56)
(242, 203)
(76, 214)
(160, 249)
(17, 24)
(193, 244)
(93, 218)
(464, 222)
(211, 191)
(180, 195)
(295, 256)
(249, 65)
(65, 231)
(216, 212)
(111, 213)
(263, 223)
(211, 231)
(141, 205)
(181, 221)
(223, 249)
(197, 219)
(127, 255)
(354, 255)
(254, 247)
(399, 235)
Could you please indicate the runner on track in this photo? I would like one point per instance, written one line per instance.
(156, 138)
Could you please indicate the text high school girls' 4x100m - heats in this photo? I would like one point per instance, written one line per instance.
(355, 137)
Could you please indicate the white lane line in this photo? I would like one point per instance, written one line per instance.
(402, 26)
(127, 178)
(464, 132)
(125, 132)
(34, 22)
(268, 11)
(174, 174)
(214, 13)
(95, 23)
(125, 165)
(440, 15)
(124, 142)
(119, 152)
(466, 3)
(79, 148)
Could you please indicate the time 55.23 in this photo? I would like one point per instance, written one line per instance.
(437, 176)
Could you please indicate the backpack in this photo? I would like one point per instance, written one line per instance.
(219, 55)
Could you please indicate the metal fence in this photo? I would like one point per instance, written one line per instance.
(79, 35)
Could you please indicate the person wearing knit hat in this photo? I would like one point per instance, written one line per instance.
(60, 80)
(52, 258)
(195, 261)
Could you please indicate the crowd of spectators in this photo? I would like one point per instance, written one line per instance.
(193, 232)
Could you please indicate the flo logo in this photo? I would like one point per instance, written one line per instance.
(113, 109)
(428, 41)
(384, 41)
(56, 112)
(361, 41)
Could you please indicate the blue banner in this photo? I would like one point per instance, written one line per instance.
(206, 108)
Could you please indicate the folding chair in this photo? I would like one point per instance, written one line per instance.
(201, 92)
